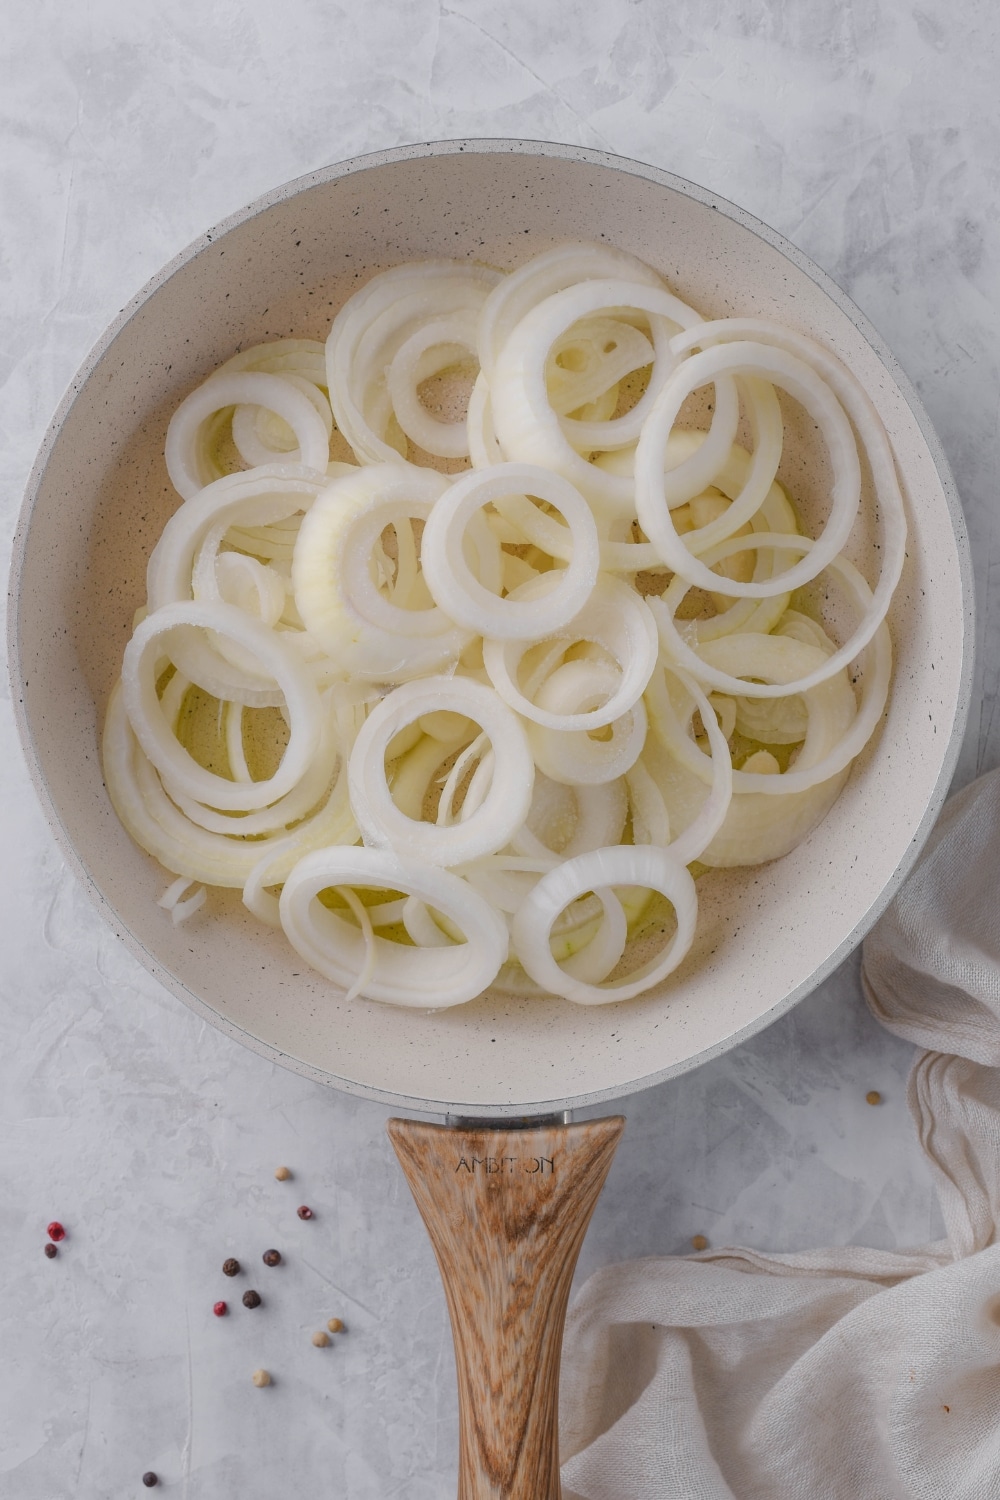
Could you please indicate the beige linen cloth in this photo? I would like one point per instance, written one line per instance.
(843, 1374)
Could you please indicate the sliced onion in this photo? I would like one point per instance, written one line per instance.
(625, 865)
(650, 818)
(151, 642)
(484, 449)
(179, 905)
(368, 635)
(528, 428)
(256, 498)
(615, 618)
(859, 407)
(466, 598)
(585, 398)
(553, 271)
(574, 757)
(185, 464)
(691, 844)
(369, 330)
(421, 926)
(579, 818)
(428, 978)
(504, 807)
(261, 437)
(302, 357)
(281, 814)
(698, 661)
(595, 960)
(655, 490)
(156, 824)
(430, 350)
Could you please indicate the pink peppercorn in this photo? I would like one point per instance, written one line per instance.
(220, 1309)
(305, 1212)
(55, 1231)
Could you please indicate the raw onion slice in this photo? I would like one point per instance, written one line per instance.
(151, 643)
(158, 826)
(484, 449)
(368, 635)
(258, 591)
(419, 769)
(656, 491)
(505, 879)
(566, 820)
(428, 978)
(303, 357)
(188, 547)
(234, 578)
(646, 866)
(768, 433)
(282, 814)
(592, 358)
(699, 833)
(261, 437)
(614, 618)
(369, 330)
(860, 409)
(539, 278)
(594, 960)
(503, 809)
(809, 771)
(780, 658)
(575, 757)
(757, 826)
(468, 599)
(186, 463)
(650, 818)
(475, 753)
(359, 911)
(421, 927)
(698, 660)
(432, 349)
(528, 428)
(253, 498)
(603, 352)
(179, 905)
(774, 515)
(728, 474)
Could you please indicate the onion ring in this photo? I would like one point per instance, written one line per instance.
(428, 978)
(626, 864)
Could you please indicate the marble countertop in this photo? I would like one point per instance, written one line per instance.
(869, 134)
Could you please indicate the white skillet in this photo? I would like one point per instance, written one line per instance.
(99, 495)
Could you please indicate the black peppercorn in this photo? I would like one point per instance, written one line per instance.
(51, 1250)
(230, 1267)
(272, 1257)
(251, 1299)
(149, 1479)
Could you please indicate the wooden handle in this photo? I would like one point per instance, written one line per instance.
(507, 1211)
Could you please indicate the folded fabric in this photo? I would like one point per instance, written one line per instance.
(841, 1374)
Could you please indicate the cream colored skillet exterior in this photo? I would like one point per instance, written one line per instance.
(99, 495)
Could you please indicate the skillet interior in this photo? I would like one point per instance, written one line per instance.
(100, 495)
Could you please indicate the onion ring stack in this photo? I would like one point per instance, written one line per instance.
(461, 730)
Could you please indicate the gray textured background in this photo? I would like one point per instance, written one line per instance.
(870, 135)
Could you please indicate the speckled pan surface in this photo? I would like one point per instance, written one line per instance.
(99, 496)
